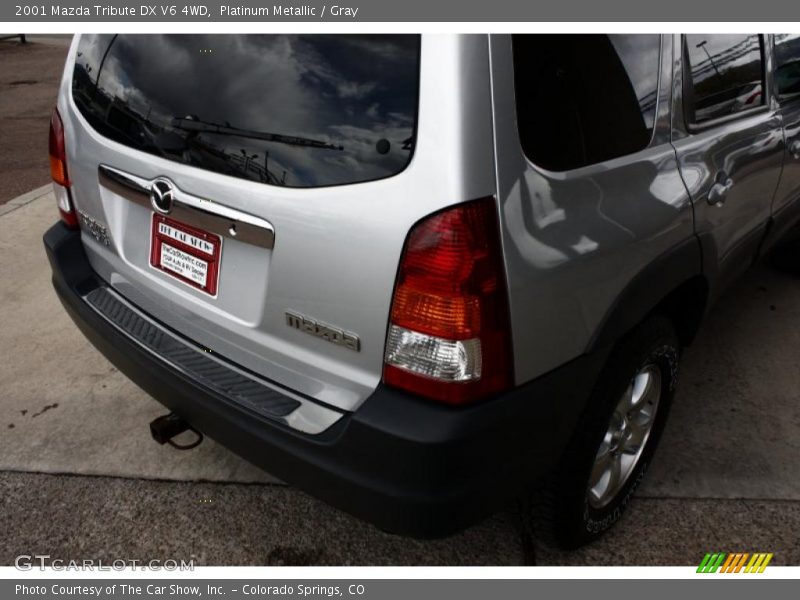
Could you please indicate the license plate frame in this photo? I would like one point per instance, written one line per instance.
(193, 255)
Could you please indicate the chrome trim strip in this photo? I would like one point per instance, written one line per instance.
(310, 417)
(192, 210)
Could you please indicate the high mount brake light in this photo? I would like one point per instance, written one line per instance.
(449, 336)
(58, 171)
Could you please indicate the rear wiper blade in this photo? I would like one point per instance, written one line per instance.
(189, 124)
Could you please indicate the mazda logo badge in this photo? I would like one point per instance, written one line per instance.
(162, 196)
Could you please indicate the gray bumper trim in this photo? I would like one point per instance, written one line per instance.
(208, 370)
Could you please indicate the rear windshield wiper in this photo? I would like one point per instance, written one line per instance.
(191, 124)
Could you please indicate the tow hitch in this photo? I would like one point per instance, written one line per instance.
(166, 427)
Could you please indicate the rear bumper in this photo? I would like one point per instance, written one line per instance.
(407, 465)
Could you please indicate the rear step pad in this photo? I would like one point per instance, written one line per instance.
(196, 363)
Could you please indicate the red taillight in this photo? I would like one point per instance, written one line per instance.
(449, 337)
(58, 171)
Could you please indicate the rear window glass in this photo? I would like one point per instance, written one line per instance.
(584, 99)
(787, 65)
(725, 75)
(288, 110)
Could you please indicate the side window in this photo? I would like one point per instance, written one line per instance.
(787, 65)
(583, 99)
(725, 75)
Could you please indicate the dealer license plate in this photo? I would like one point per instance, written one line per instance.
(186, 253)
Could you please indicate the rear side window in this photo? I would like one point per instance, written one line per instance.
(584, 99)
(725, 75)
(287, 110)
(787, 65)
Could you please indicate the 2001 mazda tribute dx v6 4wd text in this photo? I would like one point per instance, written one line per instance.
(421, 277)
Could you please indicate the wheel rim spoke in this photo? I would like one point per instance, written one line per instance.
(641, 388)
(627, 401)
(615, 473)
(600, 477)
(600, 467)
(626, 436)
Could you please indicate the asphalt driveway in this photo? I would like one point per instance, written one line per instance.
(29, 77)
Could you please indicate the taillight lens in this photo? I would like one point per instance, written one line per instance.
(58, 171)
(449, 337)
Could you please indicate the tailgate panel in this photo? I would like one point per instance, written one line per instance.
(336, 248)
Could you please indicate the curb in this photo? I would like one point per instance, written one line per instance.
(26, 198)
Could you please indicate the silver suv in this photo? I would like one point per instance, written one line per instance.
(423, 278)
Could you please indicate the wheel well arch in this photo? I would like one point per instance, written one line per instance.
(673, 286)
(685, 306)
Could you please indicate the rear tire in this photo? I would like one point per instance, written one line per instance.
(614, 441)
